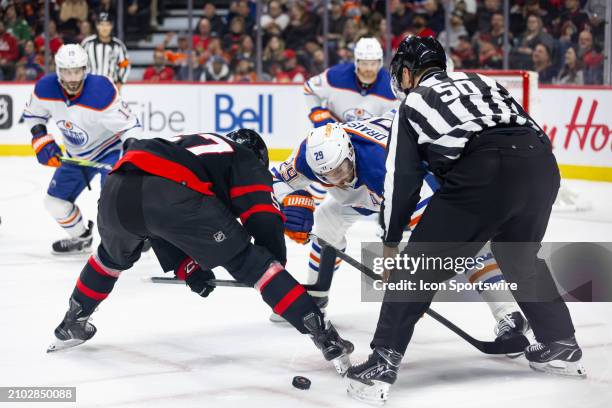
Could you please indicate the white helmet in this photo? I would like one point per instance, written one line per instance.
(70, 56)
(327, 148)
(368, 49)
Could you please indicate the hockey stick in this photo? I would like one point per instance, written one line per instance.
(323, 283)
(85, 163)
(214, 282)
(513, 345)
(85, 178)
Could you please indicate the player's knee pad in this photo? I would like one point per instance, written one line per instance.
(103, 256)
(329, 223)
(250, 264)
(57, 207)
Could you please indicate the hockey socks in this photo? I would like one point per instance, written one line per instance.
(94, 284)
(286, 296)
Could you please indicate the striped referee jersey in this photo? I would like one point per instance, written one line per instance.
(109, 59)
(430, 131)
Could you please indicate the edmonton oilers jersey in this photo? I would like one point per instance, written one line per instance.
(92, 123)
(338, 90)
(369, 139)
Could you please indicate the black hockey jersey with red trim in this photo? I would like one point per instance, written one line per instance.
(214, 165)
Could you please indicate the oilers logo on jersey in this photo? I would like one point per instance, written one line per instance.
(92, 123)
(336, 95)
(356, 114)
(73, 134)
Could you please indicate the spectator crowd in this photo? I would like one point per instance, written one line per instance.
(22, 30)
(560, 39)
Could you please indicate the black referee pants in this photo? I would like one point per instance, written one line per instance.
(502, 189)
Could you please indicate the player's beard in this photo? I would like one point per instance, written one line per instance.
(73, 87)
(367, 77)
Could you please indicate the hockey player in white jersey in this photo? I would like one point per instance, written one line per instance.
(93, 121)
(351, 91)
(349, 159)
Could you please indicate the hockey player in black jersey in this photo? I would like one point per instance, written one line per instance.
(498, 181)
(185, 196)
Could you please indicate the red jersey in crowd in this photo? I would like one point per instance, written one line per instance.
(54, 44)
(154, 74)
(9, 49)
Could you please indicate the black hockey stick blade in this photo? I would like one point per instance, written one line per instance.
(214, 282)
(514, 345)
(510, 346)
(327, 263)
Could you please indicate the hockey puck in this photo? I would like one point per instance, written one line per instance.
(301, 383)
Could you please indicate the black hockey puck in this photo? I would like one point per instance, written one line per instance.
(300, 382)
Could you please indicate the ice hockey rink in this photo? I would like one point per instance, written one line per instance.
(163, 346)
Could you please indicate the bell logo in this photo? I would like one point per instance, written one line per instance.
(257, 115)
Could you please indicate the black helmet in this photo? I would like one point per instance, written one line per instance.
(252, 140)
(416, 53)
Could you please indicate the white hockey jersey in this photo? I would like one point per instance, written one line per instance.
(369, 139)
(337, 90)
(93, 123)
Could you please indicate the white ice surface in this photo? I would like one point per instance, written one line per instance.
(162, 346)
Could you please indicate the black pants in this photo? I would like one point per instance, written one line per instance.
(135, 206)
(502, 189)
(181, 222)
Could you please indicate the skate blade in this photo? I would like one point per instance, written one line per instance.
(86, 251)
(559, 367)
(375, 394)
(342, 363)
(278, 319)
(59, 345)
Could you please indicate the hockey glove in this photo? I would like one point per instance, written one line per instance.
(47, 151)
(298, 208)
(320, 116)
(195, 277)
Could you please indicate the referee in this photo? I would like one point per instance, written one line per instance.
(499, 179)
(107, 54)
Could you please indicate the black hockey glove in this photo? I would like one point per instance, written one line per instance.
(195, 277)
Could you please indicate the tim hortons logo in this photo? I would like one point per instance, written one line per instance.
(597, 134)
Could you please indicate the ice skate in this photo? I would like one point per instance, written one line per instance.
(560, 357)
(78, 245)
(512, 325)
(73, 330)
(370, 381)
(327, 339)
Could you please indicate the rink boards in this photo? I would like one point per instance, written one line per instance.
(574, 118)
